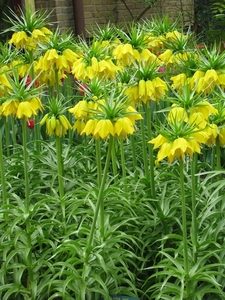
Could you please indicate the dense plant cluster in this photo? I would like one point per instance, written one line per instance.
(111, 163)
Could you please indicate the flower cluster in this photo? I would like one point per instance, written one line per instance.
(114, 74)
(109, 115)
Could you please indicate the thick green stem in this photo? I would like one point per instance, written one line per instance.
(194, 204)
(69, 97)
(3, 181)
(98, 161)
(59, 165)
(151, 163)
(36, 118)
(150, 149)
(100, 201)
(134, 155)
(124, 175)
(144, 149)
(57, 83)
(13, 134)
(26, 171)
(7, 136)
(30, 280)
(184, 226)
(114, 159)
(37, 136)
(213, 155)
(60, 176)
(218, 155)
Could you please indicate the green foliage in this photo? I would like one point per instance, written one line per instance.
(138, 247)
(218, 11)
(209, 20)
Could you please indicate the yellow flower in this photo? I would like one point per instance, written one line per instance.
(222, 136)
(36, 104)
(211, 76)
(212, 132)
(70, 56)
(221, 79)
(79, 126)
(146, 91)
(56, 125)
(25, 109)
(179, 81)
(133, 93)
(52, 60)
(133, 115)
(166, 57)
(197, 75)
(103, 129)
(39, 35)
(4, 84)
(80, 110)
(104, 68)
(155, 43)
(177, 113)
(46, 31)
(49, 60)
(205, 108)
(164, 151)
(206, 81)
(160, 88)
(158, 141)
(178, 147)
(89, 127)
(197, 119)
(124, 126)
(10, 107)
(149, 57)
(78, 69)
(125, 54)
(175, 35)
(19, 39)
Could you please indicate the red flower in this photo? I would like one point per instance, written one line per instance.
(162, 70)
(82, 89)
(30, 124)
(28, 81)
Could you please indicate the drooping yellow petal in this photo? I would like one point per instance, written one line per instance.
(79, 126)
(19, 39)
(211, 76)
(89, 127)
(179, 81)
(142, 90)
(51, 54)
(177, 114)
(25, 110)
(158, 141)
(166, 56)
(94, 64)
(222, 137)
(123, 126)
(164, 151)
(36, 104)
(194, 146)
(179, 146)
(103, 129)
(80, 110)
(10, 108)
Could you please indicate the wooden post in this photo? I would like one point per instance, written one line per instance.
(29, 4)
(78, 12)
